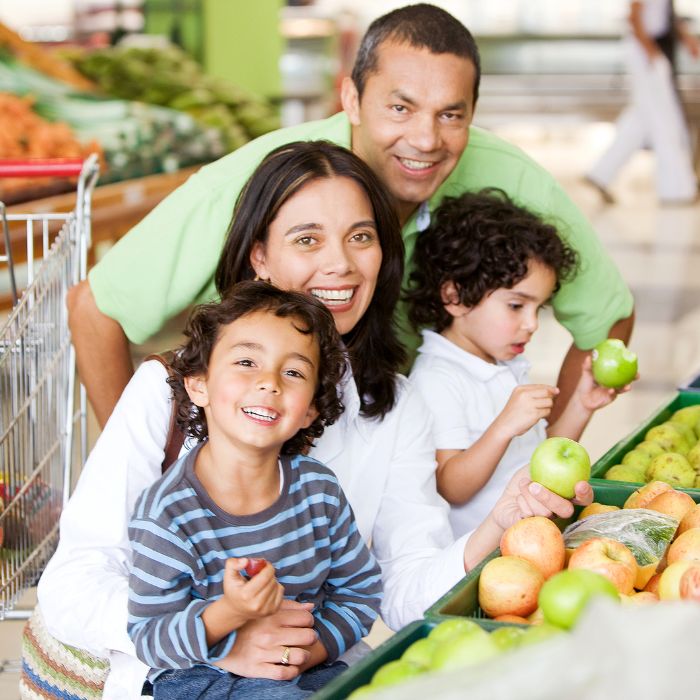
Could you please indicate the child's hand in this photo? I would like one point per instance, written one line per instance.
(593, 396)
(526, 405)
(257, 597)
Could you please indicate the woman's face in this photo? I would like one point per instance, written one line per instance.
(324, 242)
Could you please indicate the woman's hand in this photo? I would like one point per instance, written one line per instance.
(521, 498)
(524, 498)
(260, 644)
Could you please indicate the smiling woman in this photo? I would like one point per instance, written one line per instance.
(312, 218)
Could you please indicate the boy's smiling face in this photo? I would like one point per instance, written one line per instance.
(260, 384)
(499, 327)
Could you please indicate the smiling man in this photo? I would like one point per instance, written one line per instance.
(408, 110)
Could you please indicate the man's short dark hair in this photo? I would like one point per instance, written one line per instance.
(480, 242)
(203, 330)
(421, 26)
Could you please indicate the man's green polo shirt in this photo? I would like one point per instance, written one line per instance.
(167, 261)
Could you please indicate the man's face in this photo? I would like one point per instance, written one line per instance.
(412, 123)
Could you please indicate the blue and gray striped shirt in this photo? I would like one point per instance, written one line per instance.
(181, 540)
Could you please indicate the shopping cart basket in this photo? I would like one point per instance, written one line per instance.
(39, 422)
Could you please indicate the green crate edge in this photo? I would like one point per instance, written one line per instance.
(461, 599)
(361, 673)
(616, 452)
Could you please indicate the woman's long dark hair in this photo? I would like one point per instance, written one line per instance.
(373, 347)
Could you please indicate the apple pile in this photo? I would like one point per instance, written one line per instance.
(528, 583)
(670, 452)
(675, 573)
(452, 644)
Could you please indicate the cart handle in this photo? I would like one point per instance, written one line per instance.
(40, 167)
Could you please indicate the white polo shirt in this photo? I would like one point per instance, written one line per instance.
(465, 394)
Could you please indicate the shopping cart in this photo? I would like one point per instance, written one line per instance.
(42, 433)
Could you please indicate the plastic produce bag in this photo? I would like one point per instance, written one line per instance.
(646, 533)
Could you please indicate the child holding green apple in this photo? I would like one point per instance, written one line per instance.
(483, 270)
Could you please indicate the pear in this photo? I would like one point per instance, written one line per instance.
(690, 415)
(694, 458)
(673, 468)
(649, 447)
(637, 459)
(626, 472)
(686, 431)
(669, 437)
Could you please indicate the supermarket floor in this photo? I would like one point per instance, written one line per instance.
(657, 249)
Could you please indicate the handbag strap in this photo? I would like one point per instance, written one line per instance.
(176, 437)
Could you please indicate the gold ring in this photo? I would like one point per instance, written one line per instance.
(285, 657)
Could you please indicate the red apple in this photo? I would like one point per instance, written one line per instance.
(689, 586)
(670, 580)
(514, 619)
(539, 541)
(691, 520)
(594, 509)
(254, 566)
(608, 557)
(642, 496)
(686, 547)
(509, 586)
(653, 585)
(677, 504)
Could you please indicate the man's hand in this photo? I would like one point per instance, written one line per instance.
(260, 644)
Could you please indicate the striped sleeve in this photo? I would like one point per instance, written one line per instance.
(353, 590)
(165, 622)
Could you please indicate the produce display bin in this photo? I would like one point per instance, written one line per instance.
(615, 454)
(462, 600)
(361, 673)
(693, 384)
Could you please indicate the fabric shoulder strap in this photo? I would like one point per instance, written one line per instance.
(175, 438)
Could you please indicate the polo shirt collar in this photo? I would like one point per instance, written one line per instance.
(437, 345)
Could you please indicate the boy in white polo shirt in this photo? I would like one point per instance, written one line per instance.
(483, 270)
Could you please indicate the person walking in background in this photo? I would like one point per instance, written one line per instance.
(654, 118)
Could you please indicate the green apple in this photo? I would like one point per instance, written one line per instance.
(672, 468)
(420, 653)
(364, 691)
(559, 464)
(669, 437)
(452, 627)
(464, 650)
(395, 672)
(613, 365)
(626, 472)
(507, 637)
(538, 633)
(564, 596)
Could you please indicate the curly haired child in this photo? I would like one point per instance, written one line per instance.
(483, 270)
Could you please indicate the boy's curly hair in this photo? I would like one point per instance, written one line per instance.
(204, 329)
(480, 242)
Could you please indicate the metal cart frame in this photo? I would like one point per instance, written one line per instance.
(39, 422)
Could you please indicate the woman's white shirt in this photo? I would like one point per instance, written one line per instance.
(386, 468)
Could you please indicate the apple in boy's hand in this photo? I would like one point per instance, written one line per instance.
(559, 464)
(613, 365)
(254, 566)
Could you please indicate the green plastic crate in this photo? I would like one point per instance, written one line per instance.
(615, 454)
(462, 600)
(361, 673)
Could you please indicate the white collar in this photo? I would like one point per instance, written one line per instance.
(437, 345)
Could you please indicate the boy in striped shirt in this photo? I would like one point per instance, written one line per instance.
(255, 384)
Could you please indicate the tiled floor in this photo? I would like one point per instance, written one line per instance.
(658, 251)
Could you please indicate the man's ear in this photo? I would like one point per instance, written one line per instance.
(350, 99)
(450, 298)
(196, 388)
(258, 261)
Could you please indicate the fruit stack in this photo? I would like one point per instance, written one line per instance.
(669, 452)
